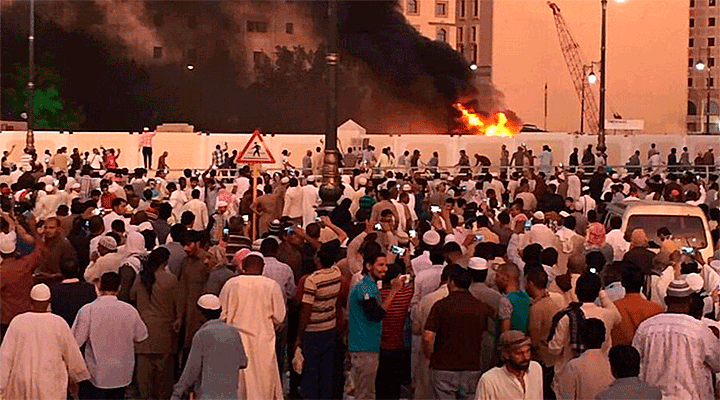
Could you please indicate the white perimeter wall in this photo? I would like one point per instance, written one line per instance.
(192, 150)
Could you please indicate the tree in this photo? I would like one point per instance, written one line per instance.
(50, 109)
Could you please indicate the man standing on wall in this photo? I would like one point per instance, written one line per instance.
(146, 146)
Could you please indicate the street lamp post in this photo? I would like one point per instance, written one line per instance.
(701, 66)
(330, 191)
(30, 105)
(590, 78)
(603, 40)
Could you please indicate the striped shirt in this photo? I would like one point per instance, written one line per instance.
(393, 324)
(321, 289)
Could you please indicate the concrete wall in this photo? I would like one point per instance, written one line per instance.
(192, 150)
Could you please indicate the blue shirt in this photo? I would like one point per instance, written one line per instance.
(363, 334)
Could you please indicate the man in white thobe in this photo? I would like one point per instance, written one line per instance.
(199, 210)
(39, 353)
(310, 200)
(293, 206)
(255, 306)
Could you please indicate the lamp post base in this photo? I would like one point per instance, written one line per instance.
(330, 191)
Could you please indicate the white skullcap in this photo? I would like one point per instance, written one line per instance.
(431, 238)
(49, 188)
(311, 178)
(7, 242)
(585, 188)
(108, 243)
(145, 226)
(209, 302)
(362, 181)
(76, 185)
(539, 215)
(450, 238)
(222, 203)
(478, 264)
(285, 180)
(615, 176)
(406, 187)
(695, 281)
(40, 292)
(564, 214)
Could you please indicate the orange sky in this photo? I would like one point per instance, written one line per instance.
(647, 60)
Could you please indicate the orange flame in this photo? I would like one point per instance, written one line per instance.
(495, 125)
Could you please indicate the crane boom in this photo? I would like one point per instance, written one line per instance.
(574, 61)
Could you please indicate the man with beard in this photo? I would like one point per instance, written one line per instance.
(502, 382)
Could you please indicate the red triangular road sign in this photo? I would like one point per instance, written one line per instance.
(255, 151)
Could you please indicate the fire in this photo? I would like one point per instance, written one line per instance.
(494, 125)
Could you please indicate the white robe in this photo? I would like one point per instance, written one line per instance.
(36, 357)
(310, 200)
(255, 305)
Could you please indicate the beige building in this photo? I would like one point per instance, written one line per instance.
(434, 19)
(703, 50)
(466, 25)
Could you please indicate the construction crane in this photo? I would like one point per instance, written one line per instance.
(576, 66)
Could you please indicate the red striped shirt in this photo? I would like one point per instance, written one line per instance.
(393, 325)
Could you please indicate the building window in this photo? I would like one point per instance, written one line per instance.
(711, 3)
(460, 34)
(690, 63)
(192, 22)
(192, 54)
(412, 7)
(255, 26)
(473, 37)
(461, 49)
(711, 41)
(692, 108)
(441, 9)
(462, 8)
(476, 8)
(257, 57)
(690, 82)
(157, 52)
(691, 42)
(289, 28)
(692, 127)
(692, 22)
(692, 3)
(713, 109)
(474, 53)
(158, 19)
(711, 21)
(442, 35)
(711, 82)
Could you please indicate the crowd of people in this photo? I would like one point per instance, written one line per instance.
(491, 283)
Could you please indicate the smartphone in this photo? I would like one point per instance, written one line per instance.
(405, 278)
(435, 209)
(87, 224)
(246, 218)
(26, 213)
(97, 211)
(56, 182)
(398, 250)
(412, 233)
(317, 219)
(378, 227)
(479, 238)
(226, 231)
(593, 270)
(528, 225)
(290, 229)
(561, 165)
(688, 250)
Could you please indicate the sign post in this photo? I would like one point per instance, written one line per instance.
(255, 153)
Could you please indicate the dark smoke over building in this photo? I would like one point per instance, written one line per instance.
(254, 63)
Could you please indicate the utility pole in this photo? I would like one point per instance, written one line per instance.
(30, 137)
(603, 66)
(545, 108)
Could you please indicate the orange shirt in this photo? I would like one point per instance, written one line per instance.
(634, 309)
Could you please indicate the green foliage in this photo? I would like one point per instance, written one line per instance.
(50, 110)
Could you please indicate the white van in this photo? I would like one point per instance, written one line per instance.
(687, 223)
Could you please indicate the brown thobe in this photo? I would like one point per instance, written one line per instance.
(155, 354)
(267, 208)
(194, 274)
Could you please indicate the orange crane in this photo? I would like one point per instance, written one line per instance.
(576, 66)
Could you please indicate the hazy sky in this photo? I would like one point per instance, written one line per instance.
(647, 60)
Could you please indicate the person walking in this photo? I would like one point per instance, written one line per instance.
(217, 357)
(39, 356)
(155, 294)
(145, 145)
(255, 306)
(518, 378)
(109, 329)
